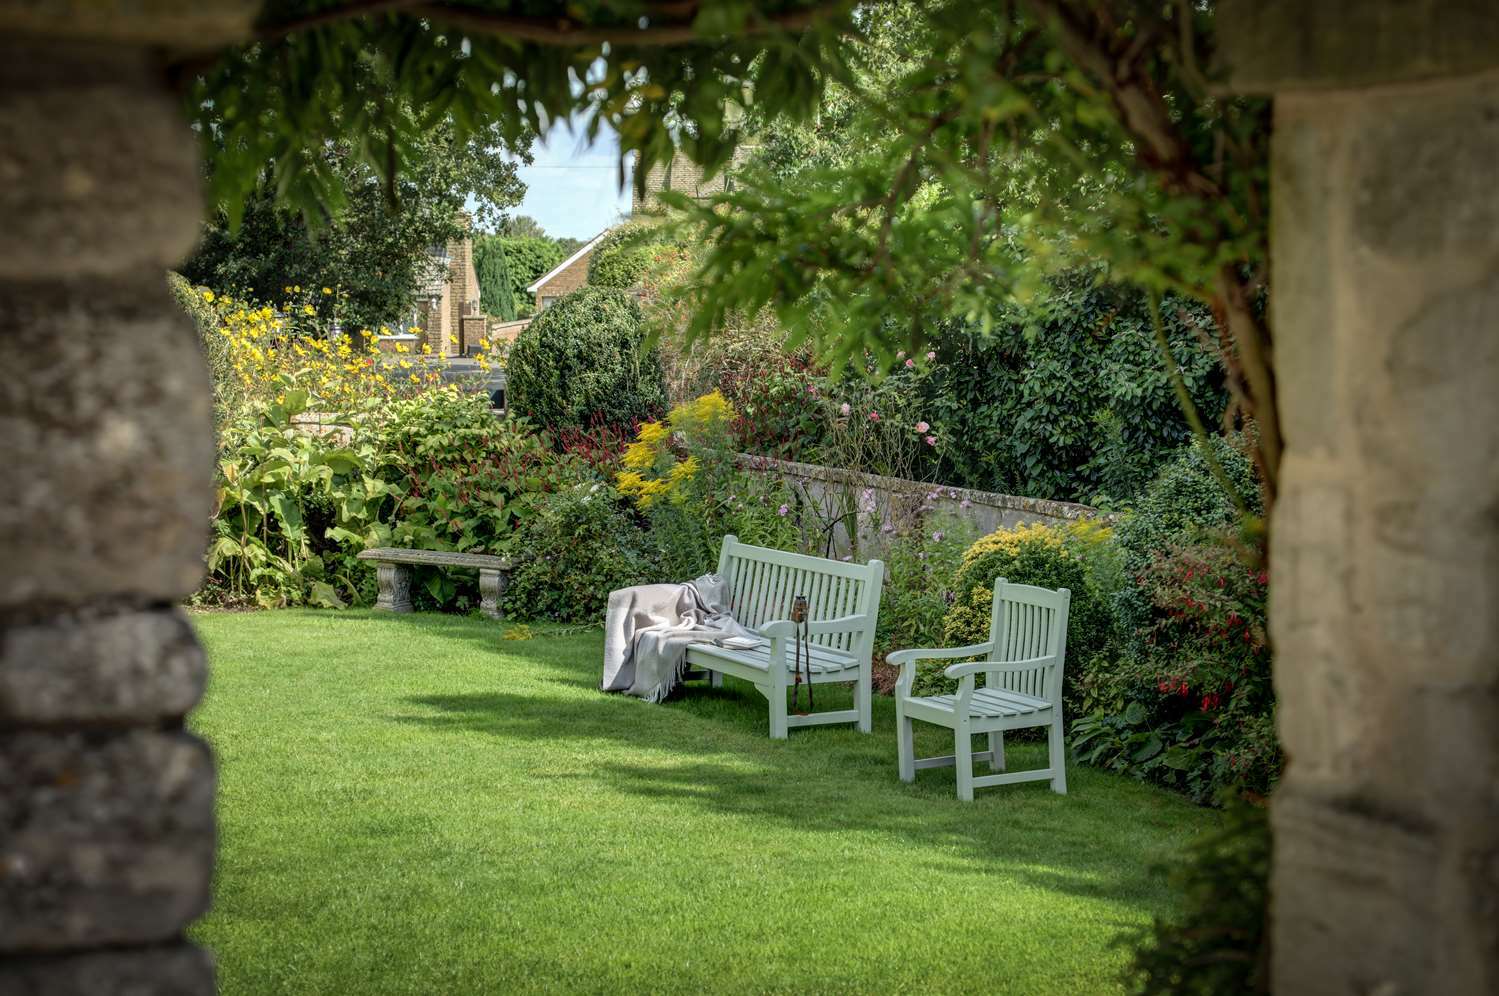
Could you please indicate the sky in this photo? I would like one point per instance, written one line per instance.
(572, 188)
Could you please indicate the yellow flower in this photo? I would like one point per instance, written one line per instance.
(308, 309)
(208, 295)
(327, 290)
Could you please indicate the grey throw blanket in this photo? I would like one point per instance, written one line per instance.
(648, 629)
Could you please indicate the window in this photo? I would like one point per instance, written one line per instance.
(548, 301)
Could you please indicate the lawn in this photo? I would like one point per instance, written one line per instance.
(414, 805)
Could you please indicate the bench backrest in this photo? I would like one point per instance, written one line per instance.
(1026, 623)
(762, 583)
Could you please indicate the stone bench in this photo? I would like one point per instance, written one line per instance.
(393, 570)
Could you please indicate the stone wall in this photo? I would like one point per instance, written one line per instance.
(893, 501)
(106, 803)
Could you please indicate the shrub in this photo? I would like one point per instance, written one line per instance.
(921, 569)
(1184, 502)
(527, 258)
(463, 476)
(682, 475)
(293, 510)
(1033, 554)
(1194, 706)
(624, 257)
(1218, 943)
(583, 363)
(578, 546)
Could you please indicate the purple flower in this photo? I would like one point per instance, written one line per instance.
(843, 409)
(931, 354)
(783, 510)
(937, 536)
(931, 440)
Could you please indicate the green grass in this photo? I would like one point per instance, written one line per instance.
(413, 805)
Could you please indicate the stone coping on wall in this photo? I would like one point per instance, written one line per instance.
(1004, 506)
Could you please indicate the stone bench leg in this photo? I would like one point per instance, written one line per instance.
(395, 587)
(492, 582)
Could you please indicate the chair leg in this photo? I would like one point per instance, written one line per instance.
(997, 750)
(905, 746)
(1057, 755)
(715, 679)
(863, 689)
(778, 728)
(962, 751)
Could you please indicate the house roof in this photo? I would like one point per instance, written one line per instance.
(542, 280)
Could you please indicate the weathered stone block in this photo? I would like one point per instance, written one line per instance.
(130, 667)
(183, 25)
(167, 970)
(106, 431)
(98, 173)
(1281, 45)
(105, 839)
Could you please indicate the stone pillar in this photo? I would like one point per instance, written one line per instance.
(106, 804)
(1385, 541)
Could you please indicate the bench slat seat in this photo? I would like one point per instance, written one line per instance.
(435, 558)
(843, 602)
(988, 703)
(824, 660)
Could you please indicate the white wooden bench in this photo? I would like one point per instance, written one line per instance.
(843, 602)
(393, 573)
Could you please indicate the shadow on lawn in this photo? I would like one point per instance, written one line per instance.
(830, 781)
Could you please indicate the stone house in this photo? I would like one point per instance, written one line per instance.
(566, 277)
(447, 306)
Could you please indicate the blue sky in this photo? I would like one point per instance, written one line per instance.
(573, 188)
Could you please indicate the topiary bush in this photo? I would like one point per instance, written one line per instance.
(577, 547)
(583, 363)
(1034, 554)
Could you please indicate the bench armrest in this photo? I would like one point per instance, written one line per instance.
(906, 661)
(902, 657)
(843, 624)
(975, 667)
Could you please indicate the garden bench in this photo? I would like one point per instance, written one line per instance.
(393, 571)
(1024, 659)
(843, 602)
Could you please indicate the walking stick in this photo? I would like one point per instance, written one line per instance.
(800, 636)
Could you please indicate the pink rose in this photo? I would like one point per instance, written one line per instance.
(922, 427)
(910, 364)
(900, 353)
(931, 354)
(931, 440)
(874, 416)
